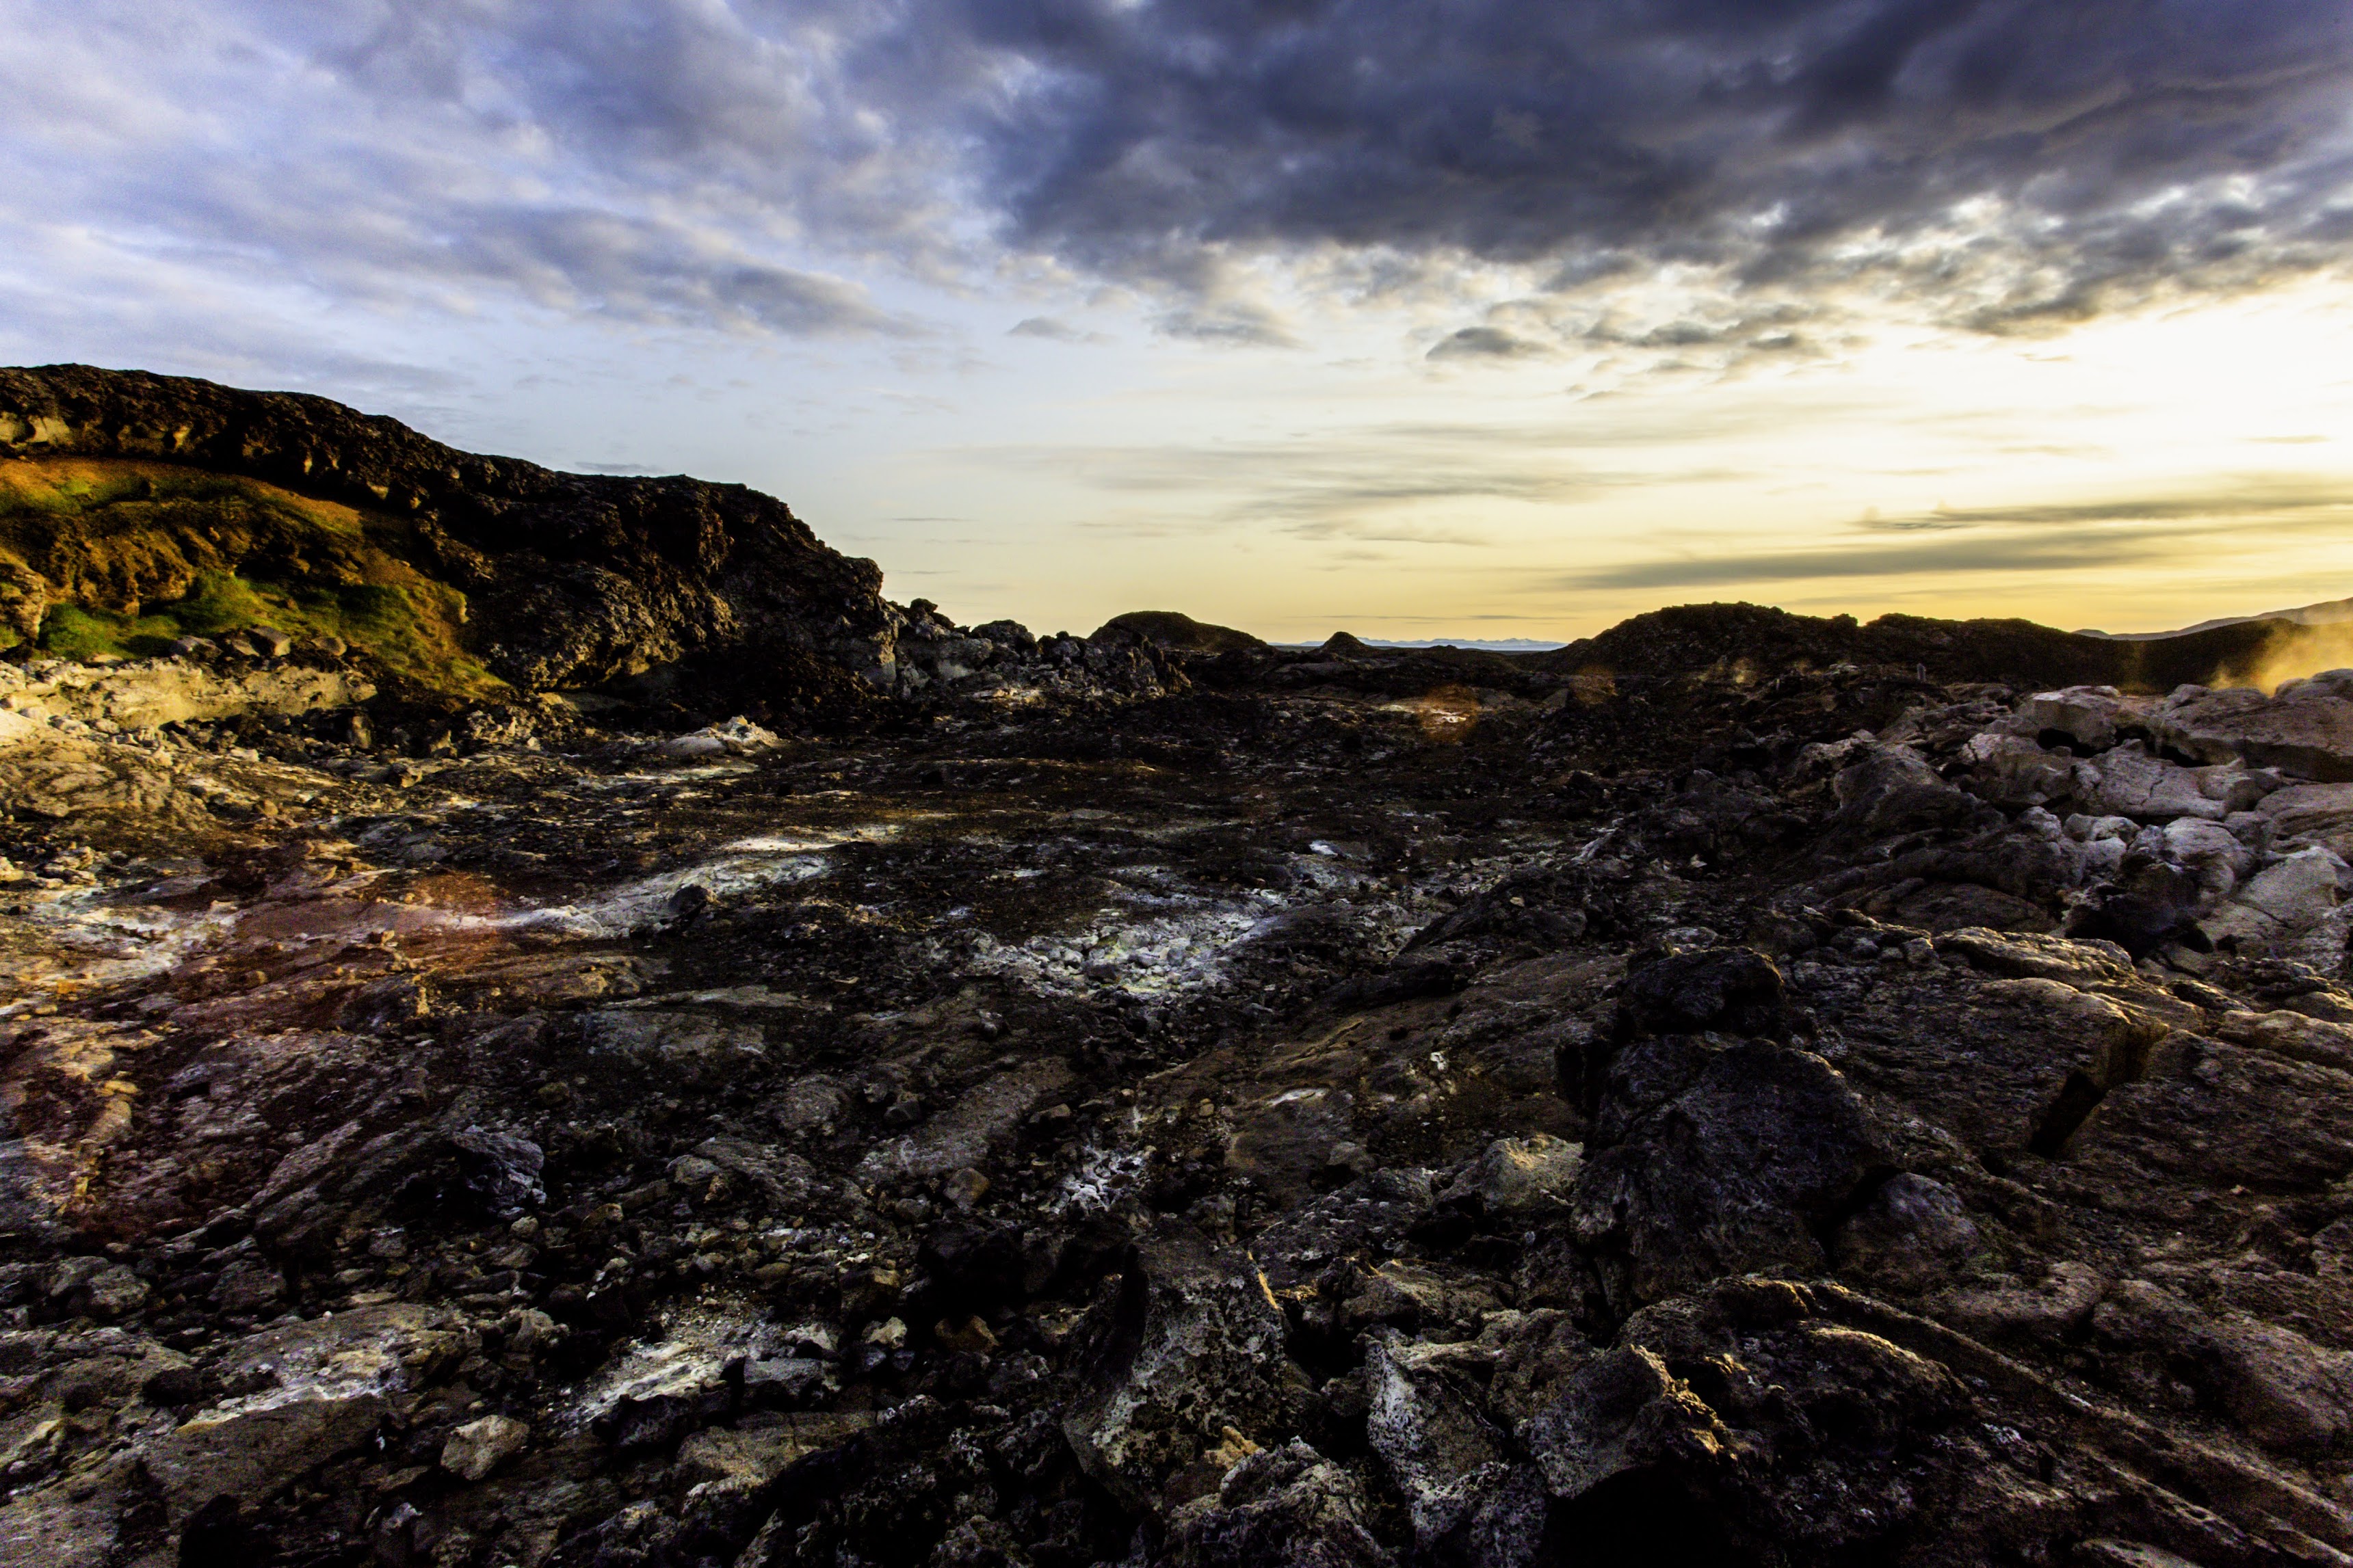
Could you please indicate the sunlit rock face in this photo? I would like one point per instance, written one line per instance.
(1743, 1090)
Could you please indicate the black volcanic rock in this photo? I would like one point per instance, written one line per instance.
(1751, 641)
(1756, 1098)
(1175, 633)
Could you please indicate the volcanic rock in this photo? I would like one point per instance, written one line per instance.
(1742, 1089)
(2306, 729)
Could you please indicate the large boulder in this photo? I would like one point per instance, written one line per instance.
(2297, 896)
(1287, 1505)
(2088, 717)
(1884, 790)
(2023, 955)
(1736, 990)
(1196, 1361)
(1913, 1234)
(2299, 888)
(2276, 1385)
(2130, 782)
(2305, 729)
(2316, 812)
(1467, 1497)
(1711, 1430)
(2015, 771)
(1719, 1158)
(1526, 1176)
(2209, 1113)
(2010, 1066)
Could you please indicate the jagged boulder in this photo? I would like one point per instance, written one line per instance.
(1287, 1505)
(1710, 1160)
(1197, 1362)
(1883, 790)
(1736, 990)
(1469, 1497)
(2305, 729)
(2088, 716)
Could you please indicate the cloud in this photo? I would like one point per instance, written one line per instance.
(2067, 537)
(660, 163)
(1482, 342)
(1053, 332)
(1372, 485)
(2270, 496)
(2066, 552)
(1235, 324)
(2009, 166)
(2000, 162)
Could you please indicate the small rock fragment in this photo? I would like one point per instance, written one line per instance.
(477, 1447)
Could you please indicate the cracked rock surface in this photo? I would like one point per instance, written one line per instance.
(1251, 1124)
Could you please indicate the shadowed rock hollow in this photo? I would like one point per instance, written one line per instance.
(1740, 1089)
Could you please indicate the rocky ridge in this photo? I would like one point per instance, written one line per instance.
(555, 581)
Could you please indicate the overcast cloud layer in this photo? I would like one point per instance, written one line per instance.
(1995, 161)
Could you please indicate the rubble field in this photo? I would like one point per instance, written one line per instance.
(1742, 1090)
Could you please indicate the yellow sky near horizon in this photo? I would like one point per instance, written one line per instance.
(2136, 473)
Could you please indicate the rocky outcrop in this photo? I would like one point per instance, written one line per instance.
(570, 580)
(150, 694)
(1175, 633)
(2305, 729)
(1742, 643)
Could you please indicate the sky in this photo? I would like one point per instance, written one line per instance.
(1478, 319)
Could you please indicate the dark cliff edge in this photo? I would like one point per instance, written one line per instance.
(568, 580)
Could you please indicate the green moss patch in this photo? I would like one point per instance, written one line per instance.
(136, 554)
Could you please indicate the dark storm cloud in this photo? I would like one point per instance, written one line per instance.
(2008, 164)
(656, 272)
(1800, 143)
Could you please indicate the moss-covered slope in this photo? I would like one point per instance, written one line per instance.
(104, 557)
(137, 507)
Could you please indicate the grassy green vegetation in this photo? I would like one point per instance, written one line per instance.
(130, 555)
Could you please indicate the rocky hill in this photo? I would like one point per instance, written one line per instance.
(1179, 633)
(138, 508)
(1692, 641)
(1743, 1090)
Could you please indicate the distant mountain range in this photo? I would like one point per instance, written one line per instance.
(1490, 644)
(2321, 614)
